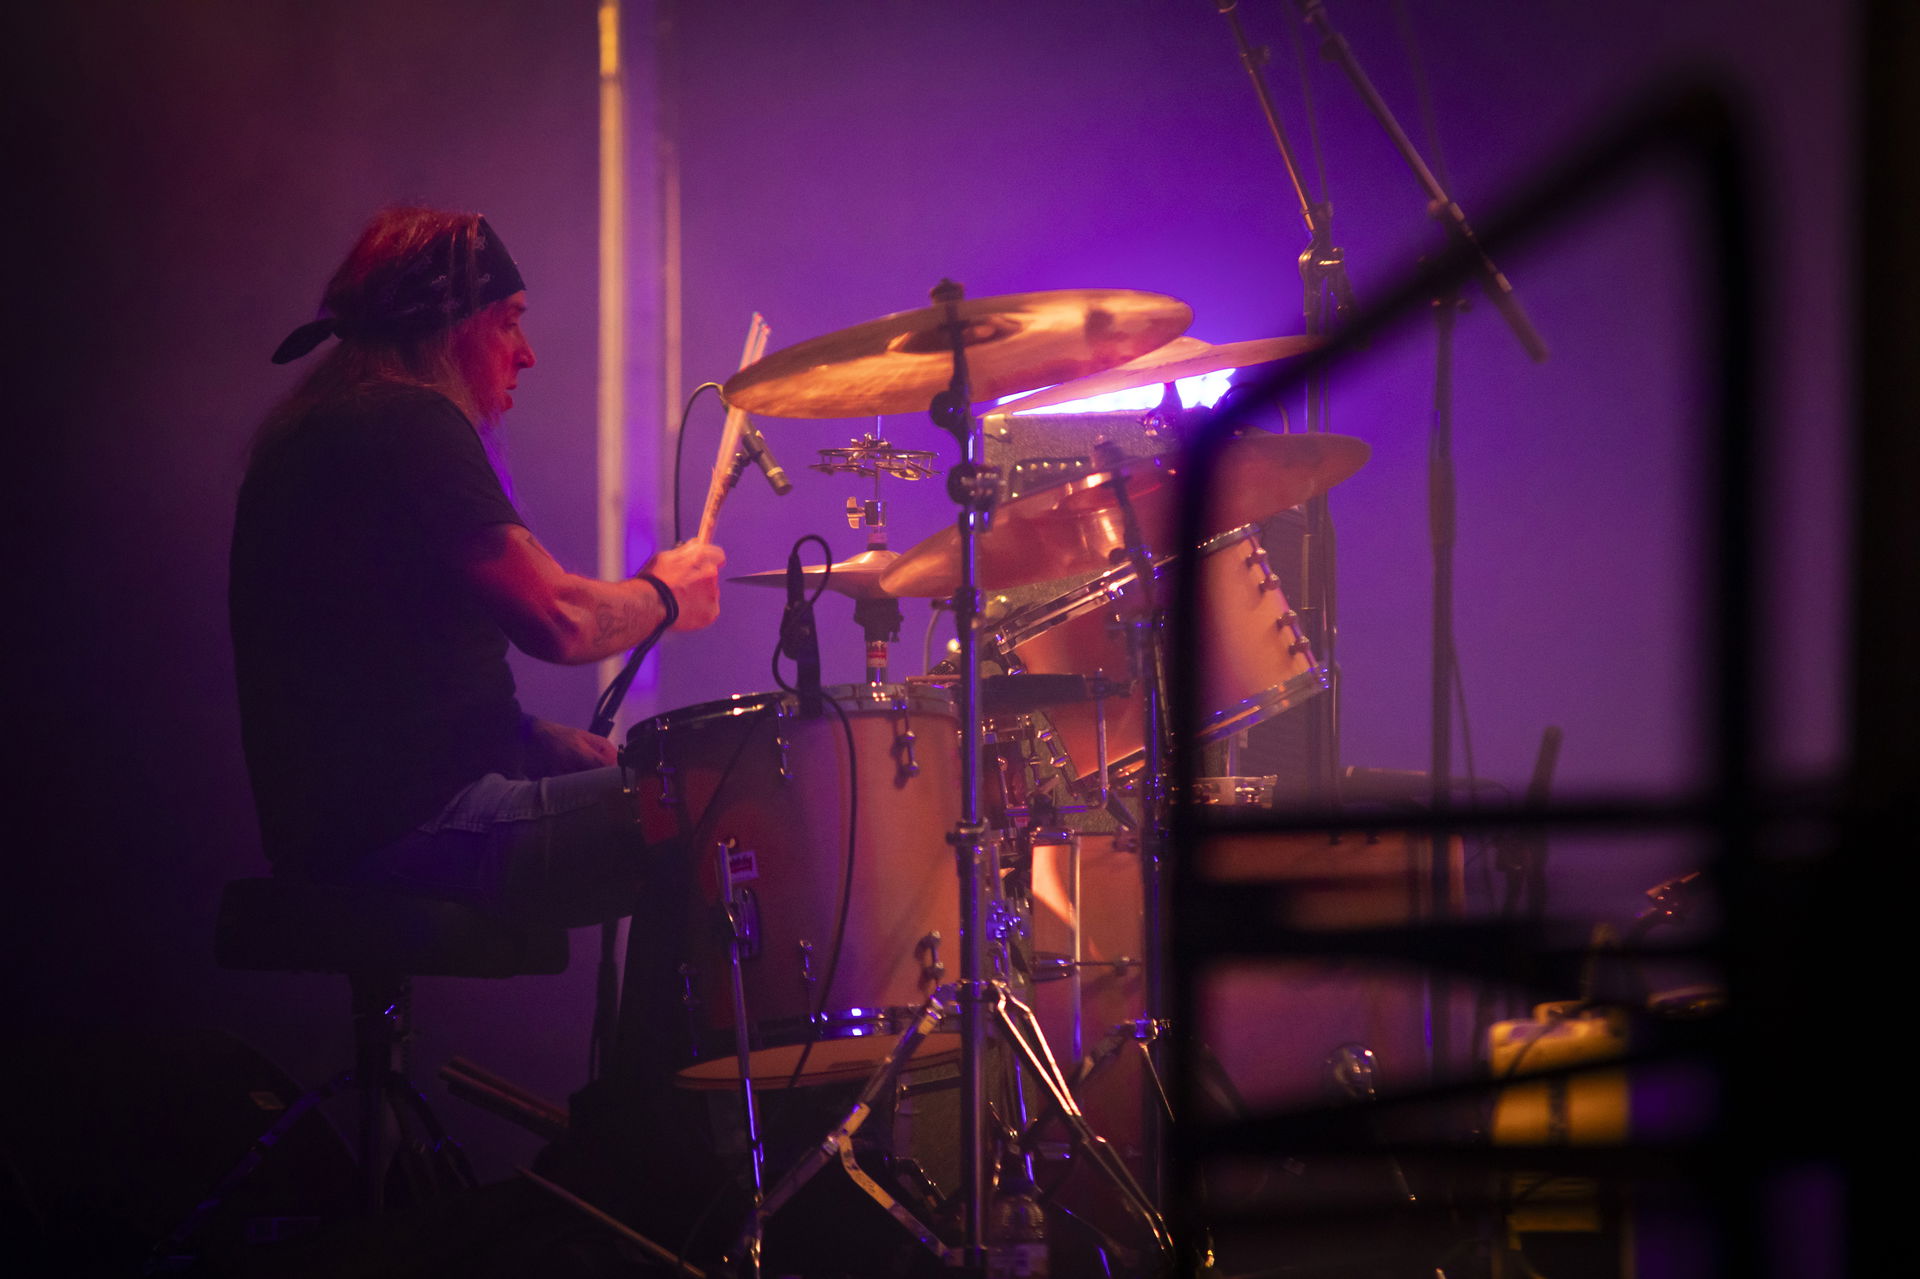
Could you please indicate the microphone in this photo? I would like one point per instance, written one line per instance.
(799, 638)
(754, 445)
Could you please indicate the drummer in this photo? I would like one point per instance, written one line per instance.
(379, 572)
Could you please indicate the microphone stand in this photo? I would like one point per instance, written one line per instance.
(1499, 291)
(1440, 482)
(1327, 298)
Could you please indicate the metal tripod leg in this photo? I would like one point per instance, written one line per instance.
(170, 1253)
(1023, 1030)
(391, 1090)
(1137, 1034)
(838, 1144)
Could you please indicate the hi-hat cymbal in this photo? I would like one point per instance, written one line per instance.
(1180, 358)
(1077, 526)
(1014, 342)
(858, 577)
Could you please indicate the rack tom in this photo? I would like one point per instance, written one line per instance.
(1258, 660)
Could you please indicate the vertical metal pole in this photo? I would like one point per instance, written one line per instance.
(610, 433)
(973, 1028)
(743, 1051)
(1440, 517)
(952, 411)
(666, 142)
(611, 397)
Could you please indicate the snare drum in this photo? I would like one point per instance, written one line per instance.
(779, 792)
(1258, 660)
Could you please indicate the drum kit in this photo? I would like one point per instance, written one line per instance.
(898, 873)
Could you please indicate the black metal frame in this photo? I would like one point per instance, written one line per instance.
(1698, 130)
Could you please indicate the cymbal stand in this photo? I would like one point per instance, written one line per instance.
(1496, 288)
(974, 487)
(971, 484)
(870, 455)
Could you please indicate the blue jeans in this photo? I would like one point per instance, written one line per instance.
(561, 850)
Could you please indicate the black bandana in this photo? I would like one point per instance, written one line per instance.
(431, 292)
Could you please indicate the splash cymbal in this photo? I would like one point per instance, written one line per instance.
(1014, 342)
(858, 578)
(1183, 357)
(1076, 527)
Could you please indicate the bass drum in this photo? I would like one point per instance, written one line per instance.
(839, 873)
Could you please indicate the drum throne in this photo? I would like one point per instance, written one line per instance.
(379, 941)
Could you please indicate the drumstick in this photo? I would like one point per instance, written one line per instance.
(730, 436)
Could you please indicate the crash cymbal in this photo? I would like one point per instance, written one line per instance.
(858, 578)
(1014, 342)
(1182, 357)
(1076, 527)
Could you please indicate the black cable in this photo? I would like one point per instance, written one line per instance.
(846, 885)
(606, 997)
(615, 692)
(853, 816)
(825, 577)
(679, 450)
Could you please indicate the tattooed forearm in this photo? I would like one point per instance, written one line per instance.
(614, 618)
(622, 616)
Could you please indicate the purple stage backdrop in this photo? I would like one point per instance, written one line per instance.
(196, 169)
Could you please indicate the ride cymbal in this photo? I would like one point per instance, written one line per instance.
(1014, 342)
(1181, 358)
(1077, 526)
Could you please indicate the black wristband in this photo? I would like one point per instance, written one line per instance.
(667, 600)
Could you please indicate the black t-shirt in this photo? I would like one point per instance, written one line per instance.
(372, 685)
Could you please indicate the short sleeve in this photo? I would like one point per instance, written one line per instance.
(433, 463)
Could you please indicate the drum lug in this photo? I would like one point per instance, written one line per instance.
(785, 765)
(1290, 622)
(807, 977)
(908, 766)
(931, 969)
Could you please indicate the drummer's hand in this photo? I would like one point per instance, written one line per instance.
(691, 571)
(553, 749)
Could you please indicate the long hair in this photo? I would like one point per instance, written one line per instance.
(395, 243)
